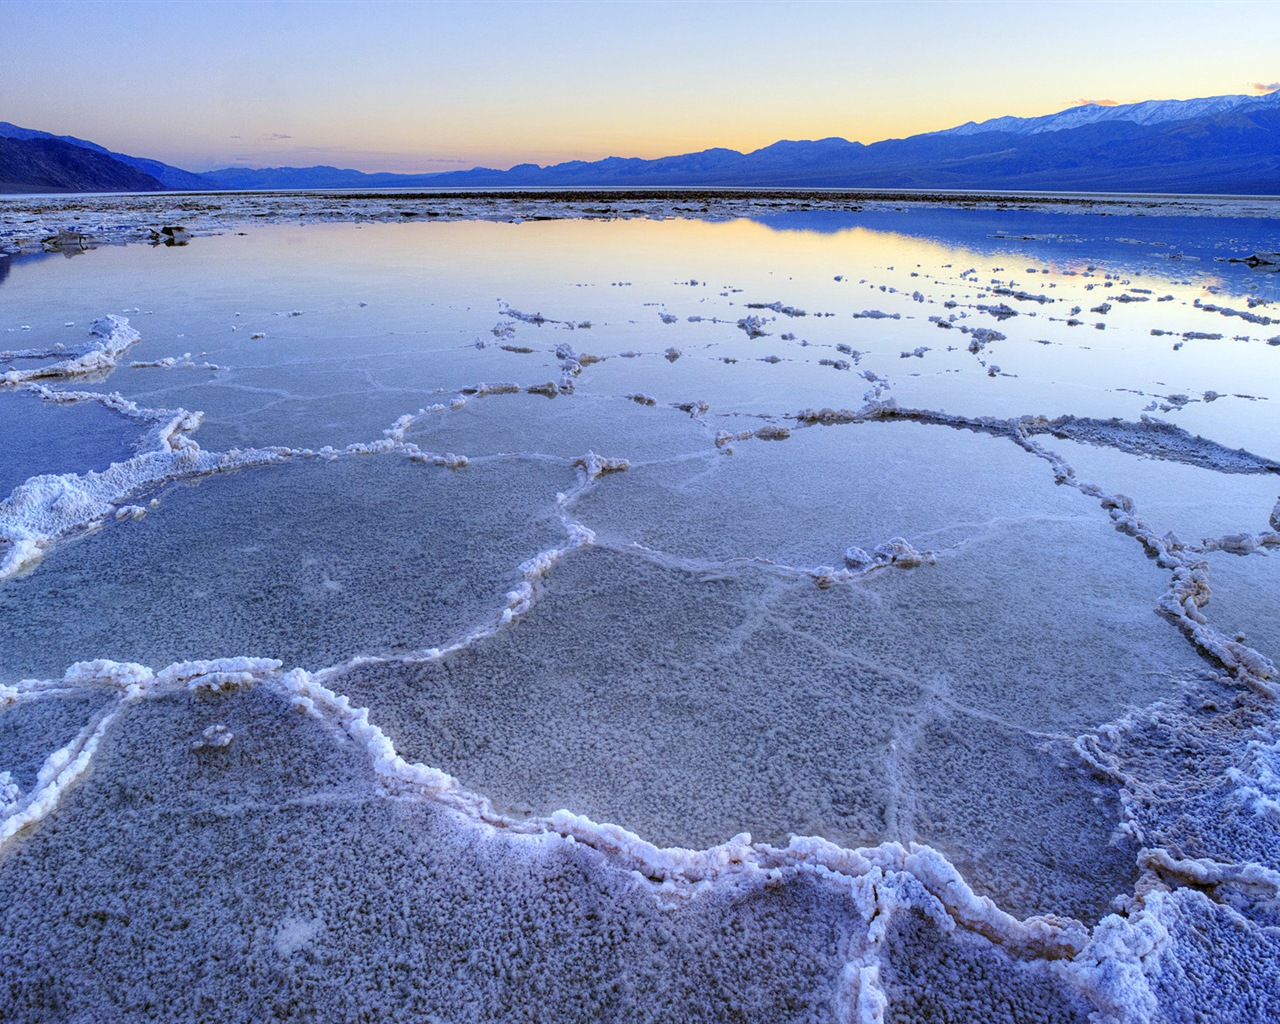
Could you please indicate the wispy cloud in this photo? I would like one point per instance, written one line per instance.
(275, 136)
(1097, 103)
(1263, 88)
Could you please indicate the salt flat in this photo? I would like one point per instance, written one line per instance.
(776, 606)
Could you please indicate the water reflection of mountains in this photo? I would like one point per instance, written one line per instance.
(1175, 246)
(9, 262)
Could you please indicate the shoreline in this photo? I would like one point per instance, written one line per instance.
(49, 222)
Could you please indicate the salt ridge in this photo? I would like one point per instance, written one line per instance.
(1112, 963)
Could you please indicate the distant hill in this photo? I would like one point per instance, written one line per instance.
(1222, 144)
(1232, 145)
(313, 177)
(1218, 144)
(51, 165)
(169, 177)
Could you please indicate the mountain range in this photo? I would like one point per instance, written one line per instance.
(1215, 145)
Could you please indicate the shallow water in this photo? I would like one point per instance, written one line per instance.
(634, 537)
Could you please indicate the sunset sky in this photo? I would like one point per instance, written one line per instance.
(437, 86)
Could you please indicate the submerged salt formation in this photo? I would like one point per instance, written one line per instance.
(669, 676)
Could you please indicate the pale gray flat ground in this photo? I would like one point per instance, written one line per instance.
(699, 665)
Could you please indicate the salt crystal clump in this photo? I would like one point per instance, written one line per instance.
(777, 307)
(1258, 783)
(220, 674)
(754, 326)
(10, 792)
(980, 336)
(112, 338)
(858, 559)
(896, 552)
(182, 362)
(519, 601)
(596, 466)
(724, 437)
(483, 389)
(1232, 543)
(398, 429)
(65, 239)
(828, 417)
(132, 679)
(570, 366)
(215, 737)
(446, 459)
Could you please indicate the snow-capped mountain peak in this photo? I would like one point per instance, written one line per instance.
(1148, 112)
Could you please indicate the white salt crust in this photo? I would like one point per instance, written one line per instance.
(1116, 966)
(49, 508)
(1113, 967)
(111, 336)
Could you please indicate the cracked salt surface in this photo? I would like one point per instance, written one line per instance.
(418, 913)
(508, 663)
(273, 560)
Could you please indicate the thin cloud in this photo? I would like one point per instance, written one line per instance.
(275, 136)
(1263, 89)
(1097, 103)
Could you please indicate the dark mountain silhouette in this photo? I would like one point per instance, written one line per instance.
(1227, 144)
(170, 177)
(1221, 144)
(51, 165)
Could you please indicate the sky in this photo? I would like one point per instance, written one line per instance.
(427, 86)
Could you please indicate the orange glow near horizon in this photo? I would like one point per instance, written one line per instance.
(430, 87)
